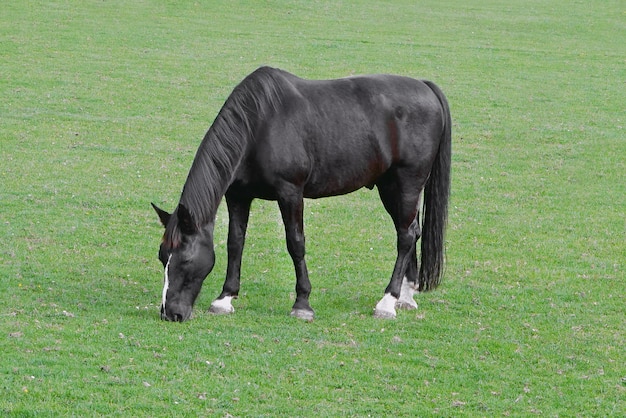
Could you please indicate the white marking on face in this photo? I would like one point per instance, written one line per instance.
(166, 281)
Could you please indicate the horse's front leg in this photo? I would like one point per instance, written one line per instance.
(291, 208)
(238, 215)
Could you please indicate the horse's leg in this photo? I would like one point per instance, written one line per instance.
(409, 282)
(291, 206)
(402, 204)
(238, 215)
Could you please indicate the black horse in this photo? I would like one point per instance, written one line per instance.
(280, 137)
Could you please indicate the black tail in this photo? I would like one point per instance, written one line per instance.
(436, 195)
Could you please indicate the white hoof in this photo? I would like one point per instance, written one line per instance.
(222, 306)
(303, 314)
(386, 308)
(407, 292)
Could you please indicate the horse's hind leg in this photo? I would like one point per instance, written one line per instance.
(402, 204)
(409, 283)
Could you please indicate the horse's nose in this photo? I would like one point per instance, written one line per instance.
(171, 315)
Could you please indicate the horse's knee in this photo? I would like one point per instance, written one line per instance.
(295, 247)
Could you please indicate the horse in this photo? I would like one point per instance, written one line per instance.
(283, 138)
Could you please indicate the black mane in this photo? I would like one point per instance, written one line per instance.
(226, 141)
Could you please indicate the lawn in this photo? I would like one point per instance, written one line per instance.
(102, 107)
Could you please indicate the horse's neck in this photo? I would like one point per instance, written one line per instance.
(209, 177)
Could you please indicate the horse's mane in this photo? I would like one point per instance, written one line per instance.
(225, 143)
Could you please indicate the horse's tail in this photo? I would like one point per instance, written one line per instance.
(436, 194)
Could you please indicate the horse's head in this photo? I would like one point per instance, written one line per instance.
(188, 257)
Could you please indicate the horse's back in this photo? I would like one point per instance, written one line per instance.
(336, 136)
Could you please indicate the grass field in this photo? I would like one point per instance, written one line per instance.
(102, 106)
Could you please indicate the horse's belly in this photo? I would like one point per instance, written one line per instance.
(342, 180)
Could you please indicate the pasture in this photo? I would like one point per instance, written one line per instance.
(102, 107)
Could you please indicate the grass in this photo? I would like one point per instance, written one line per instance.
(102, 107)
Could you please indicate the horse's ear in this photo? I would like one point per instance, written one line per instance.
(186, 222)
(163, 215)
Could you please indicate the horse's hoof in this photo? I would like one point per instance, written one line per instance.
(385, 309)
(406, 305)
(222, 306)
(380, 314)
(219, 311)
(407, 292)
(303, 314)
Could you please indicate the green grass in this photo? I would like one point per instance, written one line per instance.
(102, 106)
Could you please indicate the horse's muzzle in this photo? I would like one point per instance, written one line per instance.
(175, 315)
